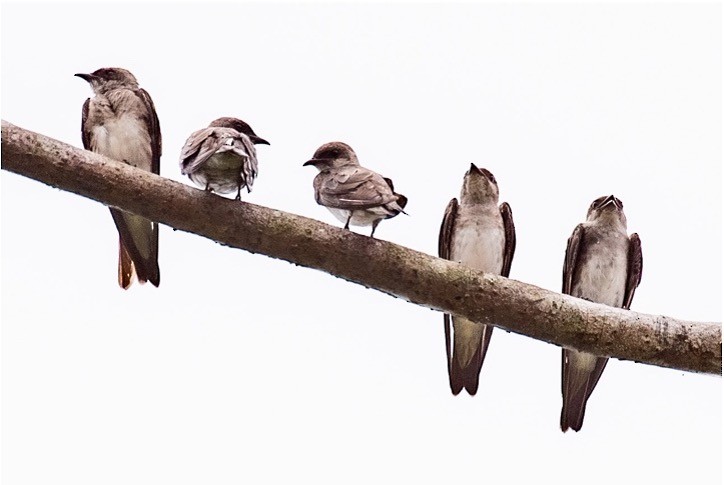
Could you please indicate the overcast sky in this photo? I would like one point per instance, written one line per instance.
(243, 368)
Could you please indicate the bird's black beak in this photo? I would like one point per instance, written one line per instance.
(474, 169)
(313, 161)
(258, 141)
(611, 199)
(85, 77)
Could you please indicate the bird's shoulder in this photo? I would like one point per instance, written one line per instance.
(124, 100)
(354, 178)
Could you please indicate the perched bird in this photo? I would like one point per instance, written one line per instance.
(354, 194)
(120, 122)
(222, 157)
(603, 264)
(480, 234)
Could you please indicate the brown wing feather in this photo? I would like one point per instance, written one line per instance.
(569, 264)
(146, 268)
(443, 250)
(355, 188)
(468, 377)
(154, 130)
(84, 131)
(573, 405)
(446, 229)
(635, 269)
(401, 199)
(507, 215)
(199, 147)
(446, 320)
(151, 271)
(576, 394)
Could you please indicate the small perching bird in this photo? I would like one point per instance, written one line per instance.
(354, 194)
(480, 234)
(120, 122)
(222, 158)
(603, 265)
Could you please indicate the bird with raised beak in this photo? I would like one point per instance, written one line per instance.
(120, 122)
(221, 158)
(354, 194)
(478, 233)
(603, 264)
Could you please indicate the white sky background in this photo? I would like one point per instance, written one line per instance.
(240, 367)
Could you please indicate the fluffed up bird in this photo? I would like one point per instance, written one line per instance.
(480, 234)
(222, 158)
(354, 194)
(602, 264)
(120, 122)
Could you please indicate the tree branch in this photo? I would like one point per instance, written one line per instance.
(398, 271)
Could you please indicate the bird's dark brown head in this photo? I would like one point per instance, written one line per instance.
(240, 126)
(110, 74)
(606, 206)
(474, 170)
(107, 78)
(479, 186)
(333, 154)
(606, 201)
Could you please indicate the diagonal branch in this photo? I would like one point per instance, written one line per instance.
(395, 270)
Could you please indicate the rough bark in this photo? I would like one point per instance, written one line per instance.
(398, 271)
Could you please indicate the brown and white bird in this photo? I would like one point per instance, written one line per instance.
(603, 264)
(120, 122)
(222, 158)
(480, 234)
(354, 194)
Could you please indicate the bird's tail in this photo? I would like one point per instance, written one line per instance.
(399, 205)
(464, 368)
(138, 249)
(402, 202)
(581, 373)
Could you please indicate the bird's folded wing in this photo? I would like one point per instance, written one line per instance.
(154, 129)
(202, 144)
(635, 268)
(245, 147)
(197, 149)
(352, 188)
(444, 245)
(507, 214)
(571, 259)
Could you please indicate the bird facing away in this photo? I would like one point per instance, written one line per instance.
(221, 158)
(354, 194)
(480, 234)
(120, 122)
(603, 264)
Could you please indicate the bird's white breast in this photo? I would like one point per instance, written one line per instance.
(604, 268)
(123, 138)
(479, 240)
